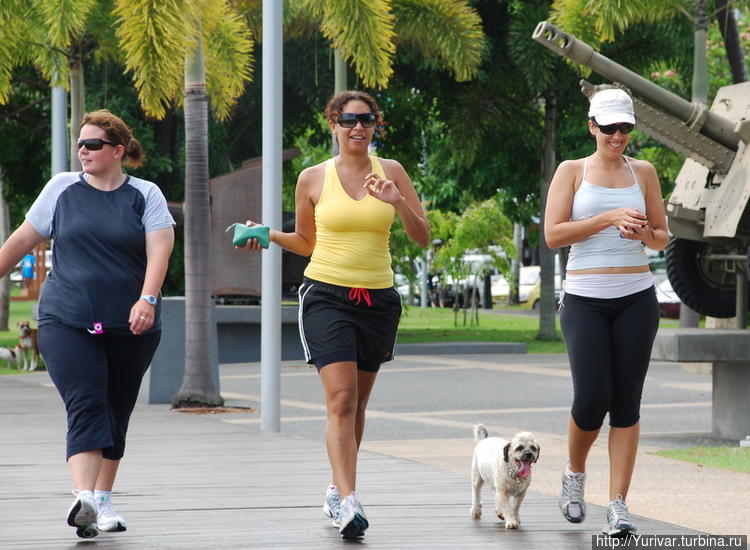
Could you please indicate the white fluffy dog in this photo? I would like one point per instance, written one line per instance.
(10, 355)
(506, 467)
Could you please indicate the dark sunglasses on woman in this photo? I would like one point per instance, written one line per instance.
(349, 120)
(610, 129)
(94, 144)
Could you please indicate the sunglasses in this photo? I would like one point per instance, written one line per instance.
(610, 129)
(349, 120)
(94, 144)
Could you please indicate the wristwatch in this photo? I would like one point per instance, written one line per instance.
(150, 298)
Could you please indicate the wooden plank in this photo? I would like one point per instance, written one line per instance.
(194, 482)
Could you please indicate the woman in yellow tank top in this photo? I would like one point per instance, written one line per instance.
(349, 310)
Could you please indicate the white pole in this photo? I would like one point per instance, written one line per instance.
(270, 329)
(59, 130)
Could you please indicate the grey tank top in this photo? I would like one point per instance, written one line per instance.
(606, 248)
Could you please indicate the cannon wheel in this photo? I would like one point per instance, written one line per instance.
(705, 286)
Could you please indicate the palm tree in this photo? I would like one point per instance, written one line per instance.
(198, 386)
(214, 32)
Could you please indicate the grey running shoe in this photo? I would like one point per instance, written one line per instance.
(107, 518)
(352, 518)
(82, 515)
(572, 506)
(618, 519)
(332, 505)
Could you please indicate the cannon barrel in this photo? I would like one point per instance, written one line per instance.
(714, 126)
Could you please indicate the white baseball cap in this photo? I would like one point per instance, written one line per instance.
(611, 106)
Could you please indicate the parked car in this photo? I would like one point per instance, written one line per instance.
(528, 277)
(443, 290)
(669, 302)
(536, 292)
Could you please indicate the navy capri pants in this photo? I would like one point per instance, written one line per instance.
(98, 377)
(609, 347)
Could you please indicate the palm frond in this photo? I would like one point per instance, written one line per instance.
(614, 16)
(363, 33)
(13, 52)
(315, 8)
(10, 9)
(601, 20)
(302, 18)
(574, 17)
(499, 105)
(155, 36)
(53, 63)
(64, 19)
(24, 39)
(102, 23)
(534, 61)
(450, 30)
(229, 56)
(7, 64)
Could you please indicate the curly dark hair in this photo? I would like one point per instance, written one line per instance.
(336, 106)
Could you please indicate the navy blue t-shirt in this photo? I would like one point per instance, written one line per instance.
(99, 252)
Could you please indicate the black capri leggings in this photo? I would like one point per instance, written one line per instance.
(98, 377)
(609, 347)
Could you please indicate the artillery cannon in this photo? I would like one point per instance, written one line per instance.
(708, 214)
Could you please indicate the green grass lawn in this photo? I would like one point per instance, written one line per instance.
(437, 325)
(736, 459)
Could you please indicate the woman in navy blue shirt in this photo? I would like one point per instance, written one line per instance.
(99, 307)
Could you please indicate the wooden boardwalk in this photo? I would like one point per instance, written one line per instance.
(194, 482)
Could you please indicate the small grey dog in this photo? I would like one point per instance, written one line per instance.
(506, 467)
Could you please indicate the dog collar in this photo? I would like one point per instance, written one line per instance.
(512, 473)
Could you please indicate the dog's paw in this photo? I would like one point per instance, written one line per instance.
(512, 524)
(500, 515)
(476, 513)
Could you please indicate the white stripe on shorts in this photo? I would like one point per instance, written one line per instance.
(299, 319)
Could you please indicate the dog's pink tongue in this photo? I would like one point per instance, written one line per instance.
(525, 470)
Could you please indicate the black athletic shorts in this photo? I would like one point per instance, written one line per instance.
(338, 323)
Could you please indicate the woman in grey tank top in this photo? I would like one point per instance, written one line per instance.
(607, 207)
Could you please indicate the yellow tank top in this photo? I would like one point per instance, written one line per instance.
(352, 236)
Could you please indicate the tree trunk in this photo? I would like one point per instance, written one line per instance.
(4, 233)
(77, 109)
(547, 316)
(198, 388)
(732, 44)
(515, 265)
(339, 85)
(700, 63)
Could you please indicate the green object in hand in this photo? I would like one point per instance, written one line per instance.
(243, 233)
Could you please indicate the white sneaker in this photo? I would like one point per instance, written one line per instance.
(353, 521)
(618, 519)
(82, 514)
(107, 518)
(332, 505)
(571, 502)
